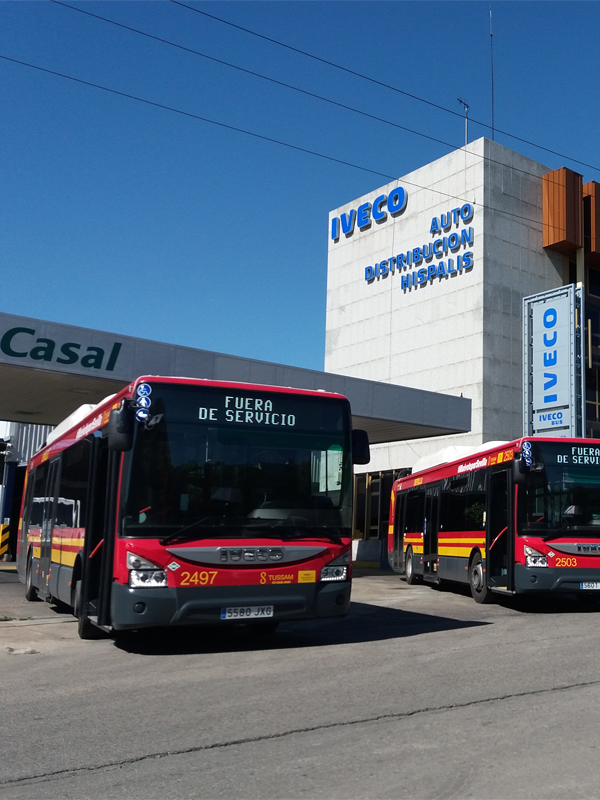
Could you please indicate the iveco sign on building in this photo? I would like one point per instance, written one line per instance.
(553, 357)
(426, 289)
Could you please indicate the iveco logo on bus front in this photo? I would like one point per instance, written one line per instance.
(251, 554)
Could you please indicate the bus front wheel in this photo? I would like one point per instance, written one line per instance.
(31, 592)
(85, 628)
(479, 590)
(409, 568)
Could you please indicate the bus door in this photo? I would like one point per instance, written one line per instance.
(430, 531)
(398, 554)
(47, 528)
(499, 539)
(98, 550)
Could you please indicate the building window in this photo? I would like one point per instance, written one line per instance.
(594, 281)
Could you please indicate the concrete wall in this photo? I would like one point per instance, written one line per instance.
(457, 333)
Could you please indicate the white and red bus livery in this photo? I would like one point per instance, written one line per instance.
(185, 501)
(514, 517)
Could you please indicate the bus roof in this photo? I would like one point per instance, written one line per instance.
(88, 418)
(459, 461)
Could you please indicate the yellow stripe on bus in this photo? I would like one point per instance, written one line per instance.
(68, 559)
(477, 540)
(465, 552)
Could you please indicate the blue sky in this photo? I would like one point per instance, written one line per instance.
(122, 216)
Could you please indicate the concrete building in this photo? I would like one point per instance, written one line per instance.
(426, 278)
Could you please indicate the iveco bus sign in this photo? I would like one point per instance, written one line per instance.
(553, 363)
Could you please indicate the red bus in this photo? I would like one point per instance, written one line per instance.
(511, 518)
(184, 502)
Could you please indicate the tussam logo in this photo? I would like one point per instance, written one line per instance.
(22, 343)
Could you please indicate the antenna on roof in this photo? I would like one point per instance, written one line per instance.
(492, 57)
(466, 119)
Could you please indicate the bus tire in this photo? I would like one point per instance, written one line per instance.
(265, 628)
(588, 600)
(409, 568)
(85, 628)
(31, 593)
(479, 590)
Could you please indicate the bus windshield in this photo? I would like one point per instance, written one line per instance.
(563, 499)
(212, 461)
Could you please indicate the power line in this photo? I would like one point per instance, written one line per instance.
(269, 139)
(253, 73)
(194, 116)
(379, 83)
(277, 82)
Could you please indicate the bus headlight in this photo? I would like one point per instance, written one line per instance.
(338, 573)
(143, 573)
(337, 570)
(533, 558)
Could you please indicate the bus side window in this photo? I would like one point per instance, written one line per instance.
(27, 505)
(463, 505)
(74, 478)
(415, 512)
(36, 512)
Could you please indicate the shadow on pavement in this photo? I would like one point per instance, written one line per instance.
(553, 604)
(364, 623)
(533, 603)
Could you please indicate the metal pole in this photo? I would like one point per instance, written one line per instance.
(492, 56)
(466, 120)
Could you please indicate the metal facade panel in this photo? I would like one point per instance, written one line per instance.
(562, 198)
(26, 440)
(591, 222)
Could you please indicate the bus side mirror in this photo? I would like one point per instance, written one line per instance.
(519, 471)
(361, 453)
(120, 428)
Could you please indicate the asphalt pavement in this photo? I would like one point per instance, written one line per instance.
(418, 693)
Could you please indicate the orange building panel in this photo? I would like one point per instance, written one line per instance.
(562, 199)
(591, 222)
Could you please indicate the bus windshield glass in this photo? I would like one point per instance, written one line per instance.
(563, 497)
(212, 461)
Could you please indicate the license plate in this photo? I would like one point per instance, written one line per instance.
(246, 612)
(589, 585)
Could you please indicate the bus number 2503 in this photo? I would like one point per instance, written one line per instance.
(565, 562)
(202, 578)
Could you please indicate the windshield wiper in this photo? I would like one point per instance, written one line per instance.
(558, 531)
(278, 530)
(206, 522)
(314, 533)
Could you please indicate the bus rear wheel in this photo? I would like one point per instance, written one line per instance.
(409, 568)
(479, 590)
